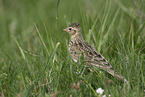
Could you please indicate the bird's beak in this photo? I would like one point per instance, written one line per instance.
(64, 29)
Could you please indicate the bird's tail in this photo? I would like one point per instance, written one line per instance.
(114, 73)
(111, 71)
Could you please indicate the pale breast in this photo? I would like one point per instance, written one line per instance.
(74, 50)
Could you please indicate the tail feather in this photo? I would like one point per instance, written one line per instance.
(111, 71)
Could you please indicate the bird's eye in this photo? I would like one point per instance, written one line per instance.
(69, 28)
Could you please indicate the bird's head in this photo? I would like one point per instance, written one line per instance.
(74, 29)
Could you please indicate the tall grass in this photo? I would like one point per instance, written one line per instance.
(34, 59)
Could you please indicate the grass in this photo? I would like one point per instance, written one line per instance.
(34, 60)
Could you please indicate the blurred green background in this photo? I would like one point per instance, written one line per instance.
(34, 60)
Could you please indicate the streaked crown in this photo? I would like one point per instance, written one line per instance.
(76, 25)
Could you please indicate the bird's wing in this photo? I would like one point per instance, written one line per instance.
(99, 61)
(94, 56)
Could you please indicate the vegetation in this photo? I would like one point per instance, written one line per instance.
(34, 59)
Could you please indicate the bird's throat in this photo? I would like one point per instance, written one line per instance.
(77, 37)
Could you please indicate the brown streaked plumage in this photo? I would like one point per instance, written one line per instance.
(77, 45)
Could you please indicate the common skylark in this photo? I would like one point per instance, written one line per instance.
(91, 56)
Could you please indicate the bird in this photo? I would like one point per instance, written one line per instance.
(91, 56)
